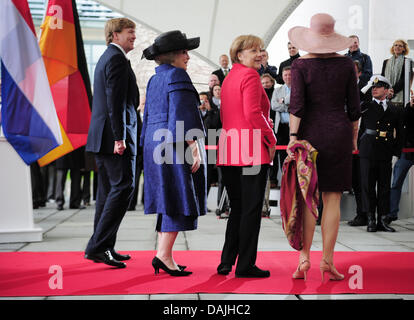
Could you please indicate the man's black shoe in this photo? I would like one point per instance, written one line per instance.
(389, 219)
(120, 257)
(372, 225)
(105, 257)
(77, 207)
(224, 269)
(254, 272)
(358, 221)
(383, 226)
(60, 207)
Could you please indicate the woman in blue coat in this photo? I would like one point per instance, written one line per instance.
(174, 154)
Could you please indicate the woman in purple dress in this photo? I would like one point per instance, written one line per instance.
(324, 110)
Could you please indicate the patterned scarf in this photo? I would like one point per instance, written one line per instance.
(393, 71)
(299, 187)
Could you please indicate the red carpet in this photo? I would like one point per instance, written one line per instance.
(27, 274)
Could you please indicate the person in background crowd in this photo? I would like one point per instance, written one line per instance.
(293, 54)
(268, 83)
(212, 81)
(215, 104)
(280, 104)
(216, 100)
(140, 158)
(361, 217)
(381, 139)
(211, 121)
(394, 70)
(73, 162)
(265, 67)
(365, 60)
(403, 164)
(38, 189)
(224, 68)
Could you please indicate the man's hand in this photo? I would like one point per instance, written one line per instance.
(390, 93)
(119, 147)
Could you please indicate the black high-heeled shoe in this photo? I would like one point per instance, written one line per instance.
(158, 264)
(181, 267)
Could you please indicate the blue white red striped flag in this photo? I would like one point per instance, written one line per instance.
(28, 114)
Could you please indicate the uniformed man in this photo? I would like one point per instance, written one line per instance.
(381, 126)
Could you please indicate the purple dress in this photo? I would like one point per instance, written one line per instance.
(325, 96)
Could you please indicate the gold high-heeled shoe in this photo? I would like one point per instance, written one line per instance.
(301, 270)
(330, 268)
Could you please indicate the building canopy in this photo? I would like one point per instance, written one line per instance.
(217, 22)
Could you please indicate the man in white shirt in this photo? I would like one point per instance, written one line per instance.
(280, 103)
(224, 68)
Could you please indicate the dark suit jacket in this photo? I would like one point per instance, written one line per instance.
(286, 63)
(116, 98)
(374, 147)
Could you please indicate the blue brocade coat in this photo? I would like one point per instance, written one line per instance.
(171, 112)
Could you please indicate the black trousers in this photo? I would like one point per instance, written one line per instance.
(375, 186)
(115, 187)
(134, 200)
(246, 194)
(282, 137)
(356, 184)
(75, 187)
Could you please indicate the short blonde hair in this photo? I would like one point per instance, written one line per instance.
(244, 42)
(405, 44)
(117, 25)
(166, 58)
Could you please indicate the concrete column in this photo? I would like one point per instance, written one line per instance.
(16, 210)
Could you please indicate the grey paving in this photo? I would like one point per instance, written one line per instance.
(69, 230)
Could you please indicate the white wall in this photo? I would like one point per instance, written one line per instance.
(389, 20)
(351, 16)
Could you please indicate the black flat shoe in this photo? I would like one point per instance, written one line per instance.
(158, 264)
(254, 272)
(105, 257)
(383, 226)
(358, 221)
(120, 257)
(224, 269)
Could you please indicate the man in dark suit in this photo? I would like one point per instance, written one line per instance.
(112, 137)
(381, 139)
(224, 70)
(361, 217)
(293, 54)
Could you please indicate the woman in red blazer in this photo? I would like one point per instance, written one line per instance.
(246, 147)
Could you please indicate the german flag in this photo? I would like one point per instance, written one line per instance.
(62, 49)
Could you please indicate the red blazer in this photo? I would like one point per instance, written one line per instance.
(247, 131)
